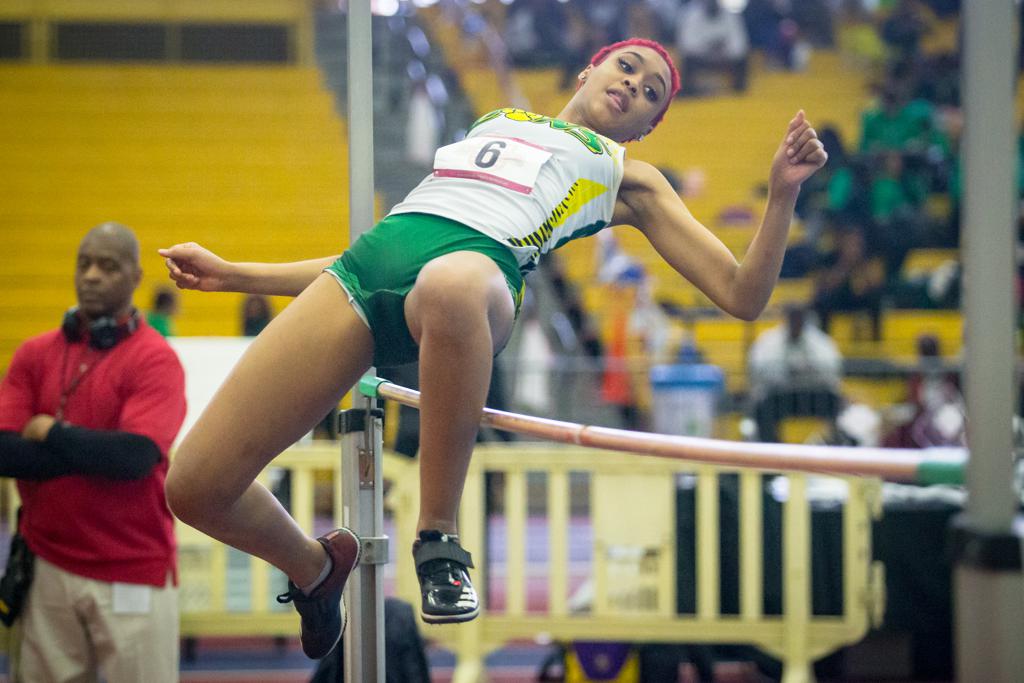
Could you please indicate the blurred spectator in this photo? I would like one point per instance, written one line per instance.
(666, 17)
(849, 190)
(423, 126)
(616, 379)
(535, 362)
(934, 407)
(815, 20)
(903, 29)
(897, 122)
(937, 80)
(256, 314)
(852, 279)
(643, 21)
(935, 288)
(813, 199)
(608, 21)
(793, 370)
(165, 307)
(535, 32)
(859, 39)
(521, 32)
(579, 28)
(578, 45)
(772, 30)
(711, 38)
(626, 278)
(896, 200)
(913, 128)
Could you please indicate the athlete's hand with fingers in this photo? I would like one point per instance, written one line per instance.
(799, 156)
(195, 267)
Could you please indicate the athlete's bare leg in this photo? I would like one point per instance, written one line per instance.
(293, 374)
(460, 312)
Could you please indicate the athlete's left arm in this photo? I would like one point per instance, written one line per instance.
(647, 201)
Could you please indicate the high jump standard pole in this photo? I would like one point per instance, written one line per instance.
(987, 539)
(360, 428)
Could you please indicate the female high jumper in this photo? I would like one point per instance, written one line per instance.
(440, 280)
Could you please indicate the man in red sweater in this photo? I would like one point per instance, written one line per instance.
(87, 414)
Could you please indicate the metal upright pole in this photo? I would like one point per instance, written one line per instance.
(362, 492)
(363, 505)
(359, 106)
(987, 543)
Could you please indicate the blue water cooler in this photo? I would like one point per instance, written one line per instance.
(685, 398)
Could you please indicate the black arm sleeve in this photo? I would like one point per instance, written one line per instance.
(76, 450)
(26, 459)
(117, 455)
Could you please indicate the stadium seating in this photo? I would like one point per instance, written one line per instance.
(250, 161)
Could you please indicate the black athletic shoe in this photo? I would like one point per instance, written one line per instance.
(323, 611)
(441, 566)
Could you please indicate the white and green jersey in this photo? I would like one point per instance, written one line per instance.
(529, 181)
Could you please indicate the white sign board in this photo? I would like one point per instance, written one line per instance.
(207, 362)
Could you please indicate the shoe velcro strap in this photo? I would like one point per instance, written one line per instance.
(294, 594)
(442, 550)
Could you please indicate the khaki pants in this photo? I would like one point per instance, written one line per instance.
(76, 629)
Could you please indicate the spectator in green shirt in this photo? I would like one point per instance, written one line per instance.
(897, 123)
(165, 307)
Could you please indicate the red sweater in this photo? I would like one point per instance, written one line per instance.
(93, 526)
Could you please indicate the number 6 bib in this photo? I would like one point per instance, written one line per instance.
(511, 163)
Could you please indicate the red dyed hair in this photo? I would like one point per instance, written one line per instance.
(603, 53)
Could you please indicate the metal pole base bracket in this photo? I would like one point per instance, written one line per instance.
(373, 550)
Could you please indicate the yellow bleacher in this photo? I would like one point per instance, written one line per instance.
(249, 161)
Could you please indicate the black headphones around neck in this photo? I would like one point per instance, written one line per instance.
(104, 333)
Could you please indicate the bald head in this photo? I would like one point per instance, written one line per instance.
(107, 270)
(116, 237)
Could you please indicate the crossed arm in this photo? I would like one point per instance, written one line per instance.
(35, 445)
(45, 450)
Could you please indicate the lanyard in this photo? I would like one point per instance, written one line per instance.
(69, 385)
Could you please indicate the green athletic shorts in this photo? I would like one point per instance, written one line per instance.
(379, 270)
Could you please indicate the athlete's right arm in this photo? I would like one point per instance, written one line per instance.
(194, 267)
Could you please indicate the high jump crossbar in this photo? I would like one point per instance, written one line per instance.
(928, 466)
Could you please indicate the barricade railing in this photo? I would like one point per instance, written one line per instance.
(631, 563)
(633, 559)
(790, 637)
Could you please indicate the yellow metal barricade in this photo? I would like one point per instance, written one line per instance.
(631, 509)
(632, 573)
